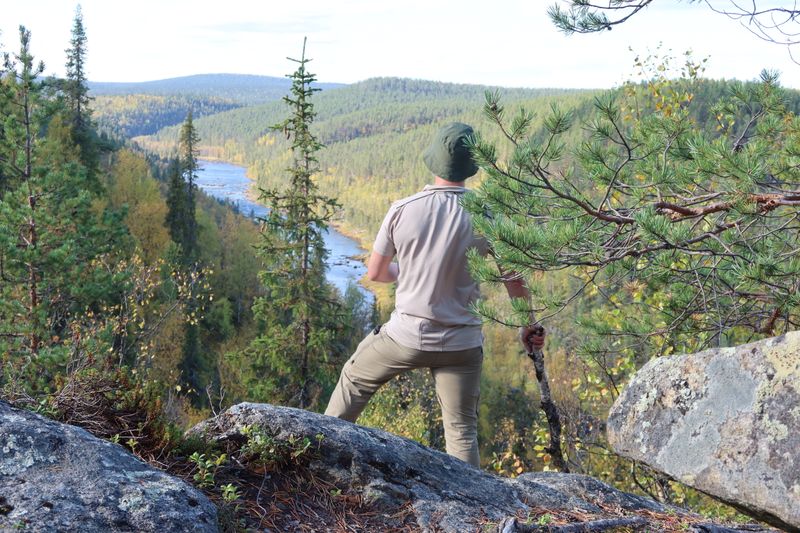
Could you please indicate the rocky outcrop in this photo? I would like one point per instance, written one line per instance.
(443, 493)
(55, 477)
(725, 421)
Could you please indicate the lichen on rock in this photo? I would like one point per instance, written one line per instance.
(56, 477)
(725, 421)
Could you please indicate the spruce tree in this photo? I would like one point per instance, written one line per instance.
(182, 224)
(299, 311)
(189, 167)
(176, 203)
(76, 94)
(182, 192)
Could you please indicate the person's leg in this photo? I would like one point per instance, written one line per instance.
(376, 361)
(458, 381)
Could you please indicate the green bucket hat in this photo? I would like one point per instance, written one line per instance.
(448, 156)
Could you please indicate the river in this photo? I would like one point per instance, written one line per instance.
(230, 182)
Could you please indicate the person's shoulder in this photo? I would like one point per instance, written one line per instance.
(399, 204)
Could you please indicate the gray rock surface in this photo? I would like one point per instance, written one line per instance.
(55, 477)
(445, 493)
(725, 421)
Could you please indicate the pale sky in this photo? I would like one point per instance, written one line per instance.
(495, 42)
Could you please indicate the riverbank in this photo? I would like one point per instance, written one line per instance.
(342, 227)
(231, 182)
(382, 292)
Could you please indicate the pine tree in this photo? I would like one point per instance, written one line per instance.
(299, 312)
(51, 235)
(701, 227)
(21, 95)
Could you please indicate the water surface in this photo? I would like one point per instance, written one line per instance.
(230, 182)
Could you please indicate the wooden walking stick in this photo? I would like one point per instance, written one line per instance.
(548, 406)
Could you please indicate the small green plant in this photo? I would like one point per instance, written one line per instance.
(132, 444)
(230, 493)
(188, 445)
(230, 520)
(544, 520)
(45, 408)
(298, 446)
(266, 450)
(206, 468)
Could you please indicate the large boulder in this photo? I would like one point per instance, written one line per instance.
(725, 421)
(56, 477)
(442, 492)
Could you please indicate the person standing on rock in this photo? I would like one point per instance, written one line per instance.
(431, 326)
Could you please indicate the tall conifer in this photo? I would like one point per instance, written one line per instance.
(299, 311)
(189, 167)
(21, 95)
(182, 223)
(50, 231)
(176, 203)
(181, 193)
(76, 93)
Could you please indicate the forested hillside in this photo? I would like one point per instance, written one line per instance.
(128, 115)
(374, 133)
(127, 110)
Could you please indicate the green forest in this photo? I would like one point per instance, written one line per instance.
(134, 305)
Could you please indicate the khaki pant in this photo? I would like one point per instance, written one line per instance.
(457, 376)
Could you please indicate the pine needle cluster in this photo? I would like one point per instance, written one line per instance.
(691, 232)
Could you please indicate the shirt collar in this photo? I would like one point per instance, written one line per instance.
(447, 188)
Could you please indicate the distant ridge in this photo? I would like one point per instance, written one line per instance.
(436, 88)
(365, 109)
(133, 109)
(245, 89)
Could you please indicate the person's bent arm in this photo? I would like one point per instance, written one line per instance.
(532, 335)
(380, 268)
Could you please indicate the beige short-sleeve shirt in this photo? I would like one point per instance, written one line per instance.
(430, 233)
